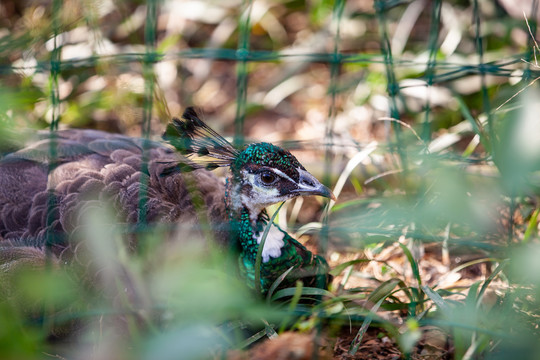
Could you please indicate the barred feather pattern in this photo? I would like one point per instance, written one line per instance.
(93, 165)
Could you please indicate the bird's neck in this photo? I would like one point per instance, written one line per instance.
(248, 222)
(281, 252)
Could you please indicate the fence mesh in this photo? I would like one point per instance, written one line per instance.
(314, 75)
(442, 44)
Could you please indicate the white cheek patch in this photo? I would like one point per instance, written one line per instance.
(260, 190)
(260, 197)
(268, 192)
(273, 243)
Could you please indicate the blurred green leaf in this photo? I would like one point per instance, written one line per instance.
(17, 340)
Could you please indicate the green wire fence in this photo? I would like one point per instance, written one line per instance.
(435, 70)
(381, 43)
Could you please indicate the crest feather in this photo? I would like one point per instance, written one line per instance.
(192, 137)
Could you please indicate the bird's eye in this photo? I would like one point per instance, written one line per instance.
(267, 178)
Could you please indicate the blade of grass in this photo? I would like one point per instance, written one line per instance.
(463, 266)
(472, 297)
(351, 165)
(252, 339)
(305, 291)
(414, 264)
(339, 268)
(365, 325)
(384, 290)
(476, 124)
(436, 298)
(276, 283)
(491, 277)
(258, 259)
(292, 305)
(269, 330)
(531, 227)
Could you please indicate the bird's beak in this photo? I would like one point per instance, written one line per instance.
(309, 185)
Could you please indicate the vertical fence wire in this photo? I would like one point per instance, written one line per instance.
(242, 57)
(52, 237)
(486, 103)
(392, 86)
(54, 96)
(436, 7)
(335, 66)
(149, 59)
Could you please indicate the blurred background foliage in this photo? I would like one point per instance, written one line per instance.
(422, 115)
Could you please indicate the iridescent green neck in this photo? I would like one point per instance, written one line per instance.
(244, 229)
(248, 232)
(281, 251)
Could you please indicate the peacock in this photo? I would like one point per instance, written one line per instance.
(44, 187)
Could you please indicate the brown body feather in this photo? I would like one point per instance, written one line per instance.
(108, 166)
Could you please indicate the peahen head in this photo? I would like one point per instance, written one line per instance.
(262, 174)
